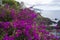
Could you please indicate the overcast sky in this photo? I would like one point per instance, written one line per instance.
(44, 4)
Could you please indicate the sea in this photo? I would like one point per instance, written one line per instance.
(52, 14)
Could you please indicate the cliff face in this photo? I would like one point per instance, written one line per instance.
(46, 21)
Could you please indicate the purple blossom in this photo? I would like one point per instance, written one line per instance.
(6, 6)
(18, 33)
(6, 37)
(5, 24)
(23, 23)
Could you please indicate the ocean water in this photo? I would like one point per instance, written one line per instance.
(52, 14)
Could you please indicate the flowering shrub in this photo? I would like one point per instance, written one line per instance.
(21, 26)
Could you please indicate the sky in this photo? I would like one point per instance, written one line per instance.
(44, 4)
(35, 1)
(51, 8)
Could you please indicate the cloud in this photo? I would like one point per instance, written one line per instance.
(56, 0)
(54, 5)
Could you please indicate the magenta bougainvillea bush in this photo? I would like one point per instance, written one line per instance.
(21, 25)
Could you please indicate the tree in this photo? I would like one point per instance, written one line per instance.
(11, 3)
